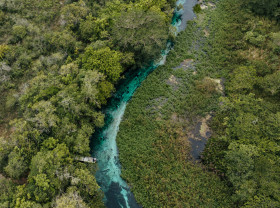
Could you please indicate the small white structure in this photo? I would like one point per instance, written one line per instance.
(86, 159)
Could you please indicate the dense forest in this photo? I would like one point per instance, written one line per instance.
(245, 146)
(60, 62)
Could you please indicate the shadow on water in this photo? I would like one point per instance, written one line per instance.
(104, 147)
(115, 198)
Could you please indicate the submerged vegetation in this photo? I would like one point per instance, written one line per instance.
(229, 40)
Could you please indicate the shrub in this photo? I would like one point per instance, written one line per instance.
(197, 8)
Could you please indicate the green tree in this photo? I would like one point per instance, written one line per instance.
(72, 14)
(240, 169)
(19, 32)
(17, 165)
(275, 42)
(45, 169)
(7, 191)
(3, 50)
(255, 38)
(22, 199)
(93, 29)
(89, 87)
(104, 60)
(44, 117)
(243, 80)
(70, 200)
(6, 147)
(64, 40)
(86, 184)
(261, 201)
(142, 32)
(271, 83)
(265, 7)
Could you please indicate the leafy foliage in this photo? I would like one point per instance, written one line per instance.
(105, 61)
(270, 8)
(59, 65)
(142, 32)
(153, 135)
(244, 147)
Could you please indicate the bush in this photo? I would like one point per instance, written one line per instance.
(197, 8)
(17, 166)
(275, 42)
(255, 38)
(19, 32)
(206, 86)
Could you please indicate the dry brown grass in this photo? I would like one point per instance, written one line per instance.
(253, 54)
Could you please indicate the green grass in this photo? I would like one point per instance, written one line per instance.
(152, 141)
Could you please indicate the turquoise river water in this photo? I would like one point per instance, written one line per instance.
(117, 192)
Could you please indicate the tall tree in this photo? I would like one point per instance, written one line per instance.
(142, 32)
(265, 7)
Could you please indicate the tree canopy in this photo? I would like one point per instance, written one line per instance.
(59, 64)
(142, 32)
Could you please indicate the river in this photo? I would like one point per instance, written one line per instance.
(117, 192)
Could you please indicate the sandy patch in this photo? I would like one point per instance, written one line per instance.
(206, 33)
(204, 128)
(172, 79)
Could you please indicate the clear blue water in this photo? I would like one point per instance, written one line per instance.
(117, 192)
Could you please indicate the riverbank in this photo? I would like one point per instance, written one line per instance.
(117, 192)
(60, 62)
(153, 137)
(229, 42)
